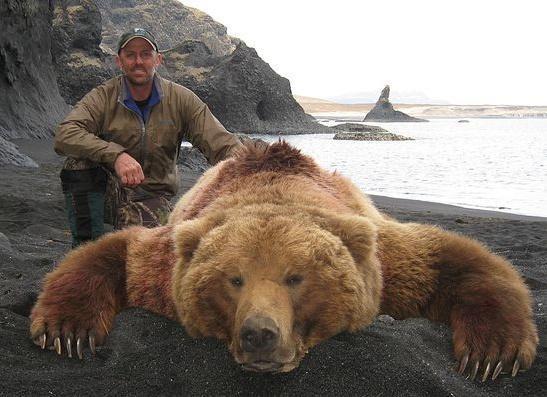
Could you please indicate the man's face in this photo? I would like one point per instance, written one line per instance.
(138, 61)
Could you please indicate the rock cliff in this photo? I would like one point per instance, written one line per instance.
(10, 155)
(53, 52)
(242, 90)
(79, 62)
(383, 111)
(31, 103)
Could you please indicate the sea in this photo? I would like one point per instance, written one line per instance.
(489, 164)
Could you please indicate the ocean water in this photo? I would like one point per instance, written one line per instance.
(491, 164)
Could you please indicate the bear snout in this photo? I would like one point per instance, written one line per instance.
(259, 334)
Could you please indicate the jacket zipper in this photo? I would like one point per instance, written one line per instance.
(143, 141)
(143, 133)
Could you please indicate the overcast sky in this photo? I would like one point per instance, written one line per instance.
(463, 51)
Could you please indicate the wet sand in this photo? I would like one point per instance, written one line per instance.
(147, 354)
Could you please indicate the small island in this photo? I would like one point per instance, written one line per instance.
(384, 112)
(363, 132)
(370, 136)
(354, 127)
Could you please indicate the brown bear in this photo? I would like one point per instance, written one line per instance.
(272, 254)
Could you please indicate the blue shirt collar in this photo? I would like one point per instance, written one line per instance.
(129, 102)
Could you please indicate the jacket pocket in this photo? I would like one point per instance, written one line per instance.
(166, 140)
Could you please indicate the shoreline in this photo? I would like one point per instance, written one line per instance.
(38, 151)
(359, 116)
(449, 209)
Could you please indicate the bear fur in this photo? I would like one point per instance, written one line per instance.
(272, 254)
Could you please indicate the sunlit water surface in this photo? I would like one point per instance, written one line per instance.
(494, 164)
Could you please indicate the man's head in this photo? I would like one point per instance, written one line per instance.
(138, 56)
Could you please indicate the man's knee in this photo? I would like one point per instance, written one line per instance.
(149, 212)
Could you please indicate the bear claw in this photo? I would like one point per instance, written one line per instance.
(463, 363)
(474, 369)
(497, 370)
(79, 349)
(57, 345)
(69, 346)
(516, 367)
(486, 372)
(92, 344)
(473, 373)
(43, 340)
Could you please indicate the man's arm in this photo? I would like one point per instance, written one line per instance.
(207, 133)
(77, 136)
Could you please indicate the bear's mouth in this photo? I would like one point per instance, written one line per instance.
(262, 366)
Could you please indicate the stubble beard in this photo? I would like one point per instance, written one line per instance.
(140, 82)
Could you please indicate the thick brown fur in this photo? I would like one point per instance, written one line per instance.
(273, 254)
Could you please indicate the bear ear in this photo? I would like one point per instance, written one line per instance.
(189, 233)
(356, 232)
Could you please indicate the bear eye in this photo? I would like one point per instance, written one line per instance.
(236, 281)
(293, 280)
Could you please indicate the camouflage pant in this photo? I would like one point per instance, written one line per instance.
(127, 207)
(94, 196)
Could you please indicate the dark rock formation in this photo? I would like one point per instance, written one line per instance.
(241, 89)
(31, 104)
(10, 155)
(51, 55)
(78, 59)
(370, 136)
(361, 132)
(169, 20)
(243, 92)
(192, 159)
(463, 121)
(383, 111)
(354, 127)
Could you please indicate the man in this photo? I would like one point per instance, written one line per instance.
(131, 127)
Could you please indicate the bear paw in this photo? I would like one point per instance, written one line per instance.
(489, 346)
(68, 333)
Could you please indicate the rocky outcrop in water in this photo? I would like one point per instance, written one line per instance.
(370, 136)
(363, 132)
(354, 127)
(383, 111)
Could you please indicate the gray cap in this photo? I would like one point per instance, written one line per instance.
(137, 32)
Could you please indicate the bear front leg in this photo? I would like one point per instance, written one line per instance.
(488, 306)
(81, 296)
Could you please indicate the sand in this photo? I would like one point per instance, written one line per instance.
(149, 355)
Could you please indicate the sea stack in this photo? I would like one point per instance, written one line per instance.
(383, 111)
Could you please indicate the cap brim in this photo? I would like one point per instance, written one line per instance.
(138, 37)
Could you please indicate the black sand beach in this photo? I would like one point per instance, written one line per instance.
(150, 355)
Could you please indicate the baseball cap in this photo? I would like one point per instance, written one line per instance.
(137, 32)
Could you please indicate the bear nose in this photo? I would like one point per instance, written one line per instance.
(259, 334)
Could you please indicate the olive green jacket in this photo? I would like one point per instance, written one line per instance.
(101, 126)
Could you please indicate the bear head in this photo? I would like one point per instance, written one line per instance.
(273, 282)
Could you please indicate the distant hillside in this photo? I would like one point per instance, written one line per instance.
(397, 96)
(307, 99)
(324, 108)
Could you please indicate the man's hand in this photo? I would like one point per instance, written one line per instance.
(128, 170)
